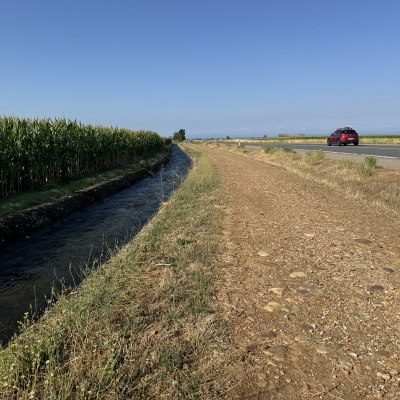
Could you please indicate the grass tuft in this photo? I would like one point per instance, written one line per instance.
(367, 167)
(315, 157)
(288, 150)
(269, 149)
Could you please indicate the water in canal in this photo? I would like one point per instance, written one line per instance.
(30, 266)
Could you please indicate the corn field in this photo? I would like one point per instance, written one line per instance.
(36, 152)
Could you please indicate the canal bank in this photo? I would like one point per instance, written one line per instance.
(55, 254)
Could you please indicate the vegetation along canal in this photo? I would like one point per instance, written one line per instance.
(58, 252)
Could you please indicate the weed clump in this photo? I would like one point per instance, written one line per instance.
(288, 150)
(315, 157)
(367, 167)
(269, 149)
(349, 164)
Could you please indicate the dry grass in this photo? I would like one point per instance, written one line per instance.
(374, 187)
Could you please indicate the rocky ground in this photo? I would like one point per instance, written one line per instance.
(308, 287)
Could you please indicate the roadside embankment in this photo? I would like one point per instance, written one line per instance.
(382, 162)
(363, 178)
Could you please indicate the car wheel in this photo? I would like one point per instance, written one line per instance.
(328, 143)
(355, 143)
(338, 142)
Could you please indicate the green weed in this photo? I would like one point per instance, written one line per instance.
(288, 150)
(269, 149)
(315, 157)
(367, 167)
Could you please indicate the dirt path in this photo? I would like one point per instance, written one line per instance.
(309, 288)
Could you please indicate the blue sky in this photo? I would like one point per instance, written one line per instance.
(216, 68)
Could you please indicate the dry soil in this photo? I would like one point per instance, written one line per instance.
(308, 287)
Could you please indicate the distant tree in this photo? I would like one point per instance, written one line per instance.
(179, 136)
(228, 138)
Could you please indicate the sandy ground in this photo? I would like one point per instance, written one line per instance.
(308, 287)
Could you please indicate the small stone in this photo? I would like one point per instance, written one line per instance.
(276, 290)
(295, 309)
(305, 388)
(273, 363)
(277, 352)
(272, 387)
(388, 270)
(175, 383)
(386, 377)
(272, 306)
(302, 339)
(364, 241)
(299, 349)
(261, 376)
(297, 274)
(344, 360)
(383, 353)
(323, 348)
(268, 335)
(305, 327)
(375, 288)
(263, 253)
(358, 369)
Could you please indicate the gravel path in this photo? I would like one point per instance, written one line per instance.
(309, 289)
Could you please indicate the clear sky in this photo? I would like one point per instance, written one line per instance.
(216, 68)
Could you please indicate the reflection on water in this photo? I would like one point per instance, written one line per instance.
(29, 266)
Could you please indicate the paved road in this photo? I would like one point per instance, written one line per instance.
(388, 156)
(390, 151)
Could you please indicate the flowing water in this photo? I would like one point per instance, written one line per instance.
(29, 267)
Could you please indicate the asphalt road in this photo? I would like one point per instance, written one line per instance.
(388, 156)
(391, 151)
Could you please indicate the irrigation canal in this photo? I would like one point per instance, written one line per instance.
(29, 267)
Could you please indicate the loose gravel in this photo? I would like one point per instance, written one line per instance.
(308, 287)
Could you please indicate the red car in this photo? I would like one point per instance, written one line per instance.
(343, 136)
